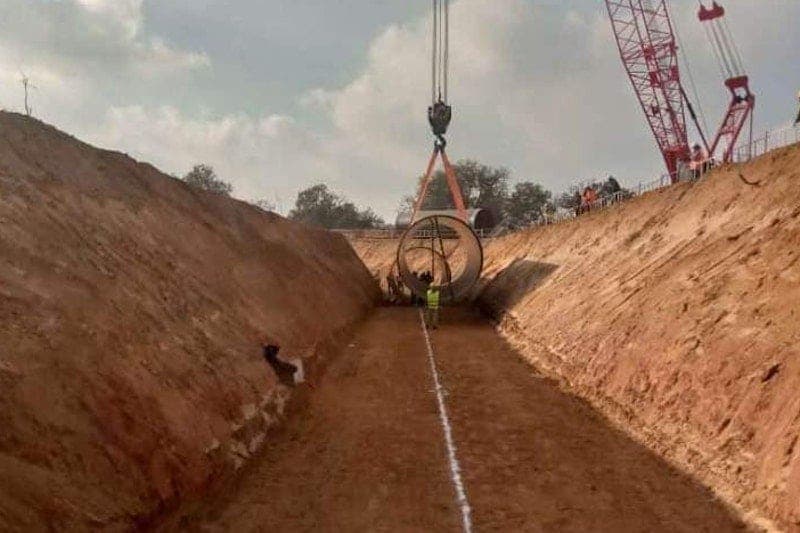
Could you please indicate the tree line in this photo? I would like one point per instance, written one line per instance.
(482, 186)
(316, 205)
(489, 188)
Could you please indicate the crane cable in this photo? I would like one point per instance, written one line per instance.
(440, 50)
(729, 59)
(695, 93)
(735, 47)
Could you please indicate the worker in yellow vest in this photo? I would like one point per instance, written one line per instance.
(432, 308)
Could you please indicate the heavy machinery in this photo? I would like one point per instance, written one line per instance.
(442, 244)
(743, 102)
(648, 48)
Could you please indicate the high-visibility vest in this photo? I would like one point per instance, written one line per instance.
(433, 298)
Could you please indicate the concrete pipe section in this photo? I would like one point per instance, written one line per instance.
(446, 247)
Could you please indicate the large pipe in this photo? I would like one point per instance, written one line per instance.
(451, 243)
(478, 219)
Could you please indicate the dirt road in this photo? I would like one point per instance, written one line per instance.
(367, 452)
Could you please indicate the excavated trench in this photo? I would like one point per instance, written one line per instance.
(635, 354)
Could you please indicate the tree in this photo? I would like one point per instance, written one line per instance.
(204, 177)
(482, 187)
(527, 203)
(438, 195)
(570, 199)
(319, 206)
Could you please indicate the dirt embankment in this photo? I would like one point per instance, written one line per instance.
(132, 308)
(677, 314)
(379, 255)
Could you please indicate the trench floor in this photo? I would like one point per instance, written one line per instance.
(367, 453)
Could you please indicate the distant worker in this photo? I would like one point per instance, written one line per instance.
(432, 308)
(797, 120)
(391, 284)
(426, 280)
(401, 289)
(699, 163)
(589, 198)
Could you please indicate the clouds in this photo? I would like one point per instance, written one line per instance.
(536, 86)
(85, 37)
(261, 156)
(527, 89)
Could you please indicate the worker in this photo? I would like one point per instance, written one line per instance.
(391, 283)
(699, 163)
(401, 289)
(432, 308)
(589, 198)
(416, 301)
(797, 120)
(426, 283)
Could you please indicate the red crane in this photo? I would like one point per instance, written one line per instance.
(646, 40)
(743, 101)
(650, 55)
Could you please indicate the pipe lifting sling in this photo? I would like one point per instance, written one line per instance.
(440, 112)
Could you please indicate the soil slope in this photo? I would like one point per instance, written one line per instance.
(132, 309)
(379, 255)
(677, 314)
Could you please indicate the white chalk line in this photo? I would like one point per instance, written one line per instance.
(455, 468)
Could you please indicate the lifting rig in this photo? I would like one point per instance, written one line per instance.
(439, 237)
(646, 40)
(440, 112)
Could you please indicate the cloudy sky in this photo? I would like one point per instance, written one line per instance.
(279, 94)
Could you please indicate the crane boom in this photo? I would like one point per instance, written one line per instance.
(743, 101)
(648, 49)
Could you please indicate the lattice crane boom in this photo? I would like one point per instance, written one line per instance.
(743, 101)
(647, 45)
(648, 49)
